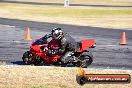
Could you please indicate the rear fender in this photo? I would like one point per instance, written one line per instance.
(86, 44)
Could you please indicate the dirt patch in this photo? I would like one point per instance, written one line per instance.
(2, 62)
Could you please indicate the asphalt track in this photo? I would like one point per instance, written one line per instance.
(107, 54)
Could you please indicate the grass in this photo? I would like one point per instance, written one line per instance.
(51, 77)
(72, 12)
(94, 2)
(41, 86)
(85, 16)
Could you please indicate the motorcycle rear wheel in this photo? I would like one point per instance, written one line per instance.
(86, 59)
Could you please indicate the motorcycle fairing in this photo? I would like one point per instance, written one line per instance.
(85, 44)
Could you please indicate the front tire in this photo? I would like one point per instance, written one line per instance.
(27, 58)
(37, 61)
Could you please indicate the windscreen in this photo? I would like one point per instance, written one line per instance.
(43, 40)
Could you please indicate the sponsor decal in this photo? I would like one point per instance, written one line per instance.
(83, 78)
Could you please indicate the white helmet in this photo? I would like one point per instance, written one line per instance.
(57, 33)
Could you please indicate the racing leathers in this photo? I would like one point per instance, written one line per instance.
(65, 46)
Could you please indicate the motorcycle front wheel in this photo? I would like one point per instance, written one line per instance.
(27, 58)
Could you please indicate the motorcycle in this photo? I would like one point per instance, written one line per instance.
(38, 53)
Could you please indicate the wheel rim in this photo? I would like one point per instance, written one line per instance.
(27, 59)
(86, 62)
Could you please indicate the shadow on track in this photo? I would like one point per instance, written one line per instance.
(22, 63)
(18, 62)
(61, 4)
(41, 64)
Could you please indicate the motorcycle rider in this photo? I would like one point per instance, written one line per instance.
(64, 44)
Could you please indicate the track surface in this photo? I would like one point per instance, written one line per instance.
(107, 54)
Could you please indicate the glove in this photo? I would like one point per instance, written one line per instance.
(49, 51)
(52, 51)
(55, 52)
(45, 49)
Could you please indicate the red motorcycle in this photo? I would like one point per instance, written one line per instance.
(38, 53)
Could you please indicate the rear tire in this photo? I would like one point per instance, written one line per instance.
(86, 59)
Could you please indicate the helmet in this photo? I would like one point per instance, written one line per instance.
(53, 30)
(57, 33)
